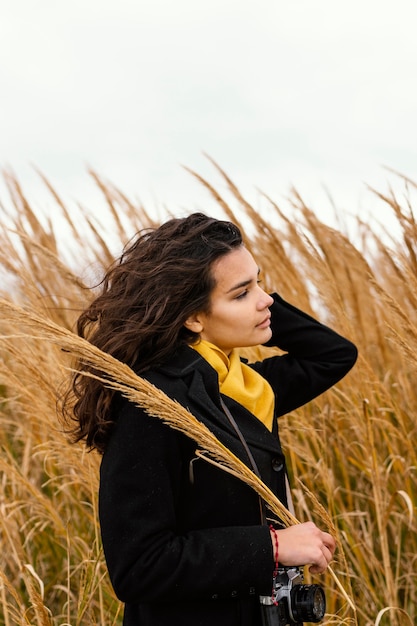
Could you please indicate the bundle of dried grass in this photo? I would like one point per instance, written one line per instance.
(120, 377)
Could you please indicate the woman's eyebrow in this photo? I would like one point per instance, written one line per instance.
(244, 283)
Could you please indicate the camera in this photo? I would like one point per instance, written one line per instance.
(292, 602)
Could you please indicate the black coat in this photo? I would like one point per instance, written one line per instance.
(183, 540)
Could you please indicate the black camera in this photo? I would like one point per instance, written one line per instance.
(292, 603)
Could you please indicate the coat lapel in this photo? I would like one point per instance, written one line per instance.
(204, 401)
(201, 393)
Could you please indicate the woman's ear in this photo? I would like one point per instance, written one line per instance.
(194, 324)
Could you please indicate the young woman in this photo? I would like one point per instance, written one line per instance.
(186, 544)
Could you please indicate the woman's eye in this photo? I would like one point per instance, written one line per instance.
(242, 295)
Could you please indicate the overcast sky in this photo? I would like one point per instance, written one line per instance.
(309, 93)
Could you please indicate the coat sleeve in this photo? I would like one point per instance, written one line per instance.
(316, 357)
(149, 559)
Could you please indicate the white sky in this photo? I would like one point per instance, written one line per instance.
(279, 92)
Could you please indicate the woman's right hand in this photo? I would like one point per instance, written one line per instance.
(304, 544)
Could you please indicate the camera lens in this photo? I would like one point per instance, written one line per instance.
(308, 603)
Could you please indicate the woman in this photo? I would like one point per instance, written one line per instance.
(186, 543)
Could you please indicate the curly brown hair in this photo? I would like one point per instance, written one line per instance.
(163, 277)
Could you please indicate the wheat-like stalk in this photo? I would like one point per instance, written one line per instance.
(121, 377)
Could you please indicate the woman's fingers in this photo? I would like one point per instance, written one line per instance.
(305, 544)
(322, 562)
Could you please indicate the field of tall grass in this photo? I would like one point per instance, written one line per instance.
(353, 450)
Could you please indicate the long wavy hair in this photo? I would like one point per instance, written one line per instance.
(163, 277)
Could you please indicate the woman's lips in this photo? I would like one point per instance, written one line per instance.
(265, 322)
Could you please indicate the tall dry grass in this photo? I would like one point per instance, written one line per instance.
(354, 448)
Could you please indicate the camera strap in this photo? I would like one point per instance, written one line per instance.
(252, 461)
(290, 502)
(254, 467)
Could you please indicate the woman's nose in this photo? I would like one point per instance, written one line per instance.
(265, 300)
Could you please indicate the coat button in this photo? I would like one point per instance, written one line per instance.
(234, 594)
(277, 465)
(252, 591)
(215, 596)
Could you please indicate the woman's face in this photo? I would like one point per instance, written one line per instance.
(239, 314)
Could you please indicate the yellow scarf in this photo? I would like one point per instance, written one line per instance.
(240, 382)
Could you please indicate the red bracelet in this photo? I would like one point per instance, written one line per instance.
(275, 549)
